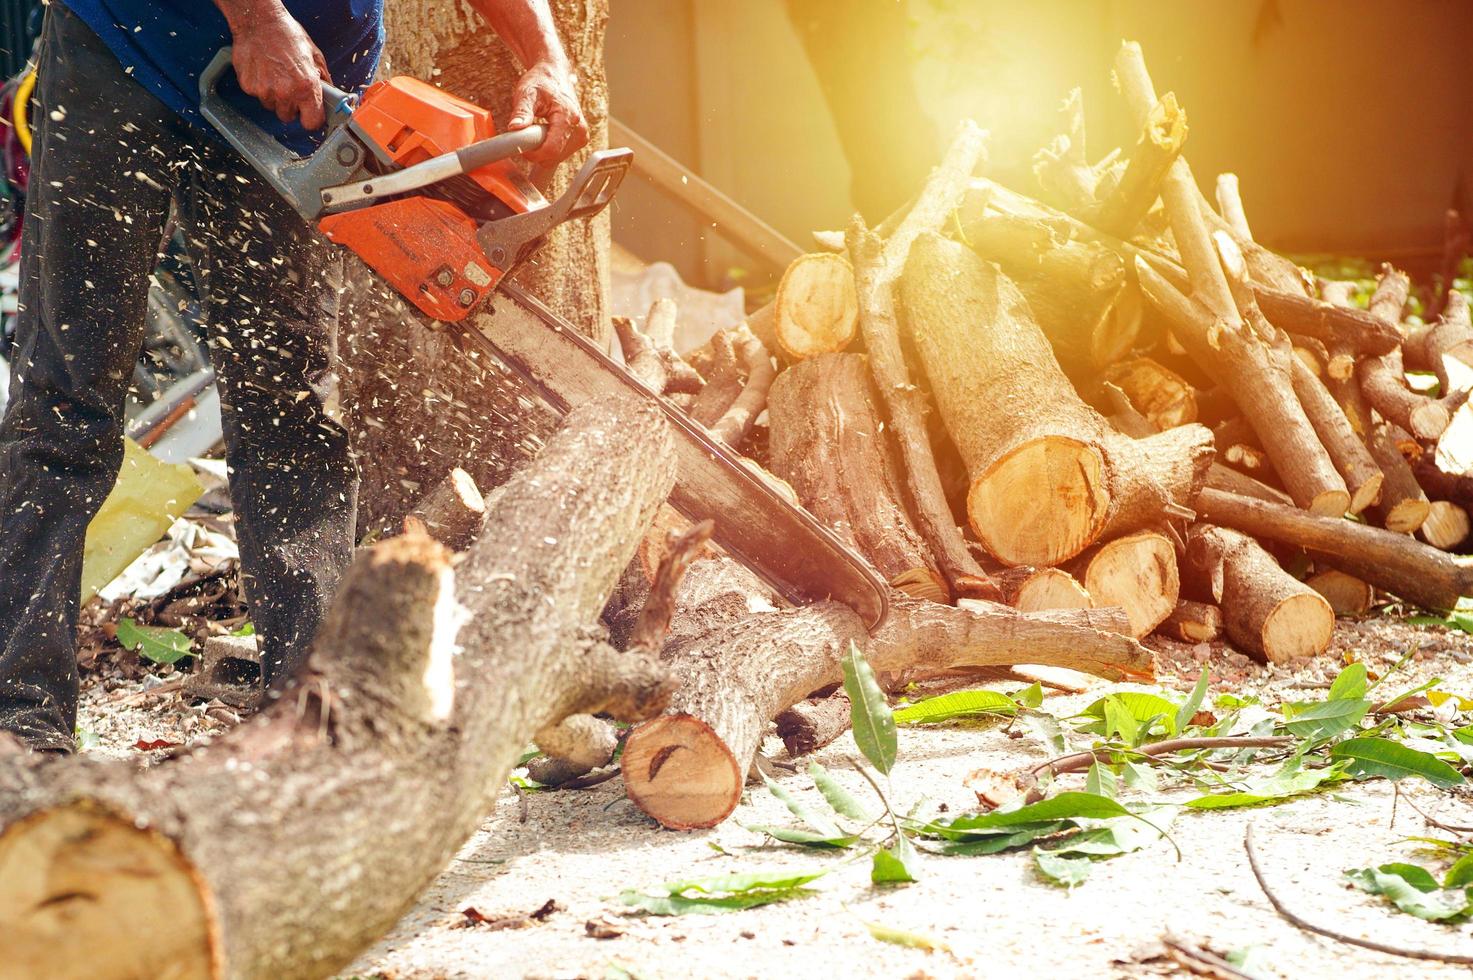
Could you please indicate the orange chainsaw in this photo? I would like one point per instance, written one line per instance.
(420, 186)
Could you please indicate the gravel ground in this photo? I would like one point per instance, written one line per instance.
(994, 915)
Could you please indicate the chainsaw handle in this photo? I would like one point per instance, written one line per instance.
(500, 146)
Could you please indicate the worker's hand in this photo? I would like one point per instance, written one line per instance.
(545, 91)
(277, 63)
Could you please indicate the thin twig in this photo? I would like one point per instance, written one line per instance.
(1307, 926)
(1433, 821)
(1079, 761)
(1200, 961)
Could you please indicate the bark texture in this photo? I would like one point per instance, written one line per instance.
(360, 783)
(826, 439)
(1049, 476)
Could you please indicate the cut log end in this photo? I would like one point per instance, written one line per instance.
(1139, 574)
(1430, 419)
(1036, 590)
(1042, 503)
(1193, 622)
(1332, 503)
(1298, 627)
(817, 306)
(923, 583)
(681, 773)
(1407, 516)
(1447, 525)
(1346, 594)
(76, 878)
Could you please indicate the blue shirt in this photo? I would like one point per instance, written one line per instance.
(165, 44)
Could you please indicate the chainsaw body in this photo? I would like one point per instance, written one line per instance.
(419, 185)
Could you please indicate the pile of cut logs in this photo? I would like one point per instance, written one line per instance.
(1106, 396)
(1055, 424)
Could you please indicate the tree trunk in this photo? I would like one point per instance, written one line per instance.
(418, 404)
(1265, 609)
(686, 768)
(287, 846)
(1049, 475)
(1391, 562)
(828, 442)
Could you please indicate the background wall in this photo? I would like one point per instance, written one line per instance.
(1350, 122)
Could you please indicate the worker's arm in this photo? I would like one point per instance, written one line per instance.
(275, 60)
(546, 89)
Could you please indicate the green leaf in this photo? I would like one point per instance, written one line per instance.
(844, 804)
(825, 827)
(1460, 875)
(957, 704)
(1350, 683)
(1192, 704)
(869, 715)
(1065, 806)
(162, 646)
(807, 838)
(967, 845)
(1061, 869)
(896, 864)
(1117, 835)
(1413, 890)
(1372, 756)
(86, 739)
(1289, 781)
(1119, 721)
(915, 940)
(724, 893)
(1318, 720)
(1147, 710)
(1046, 728)
(1100, 781)
(1030, 696)
(247, 628)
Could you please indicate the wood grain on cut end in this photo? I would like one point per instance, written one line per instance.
(1446, 526)
(680, 772)
(1299, 626)
(1157, 392)
(1407, 516)
(1137, 573)
(817, 306)
(76, 878)
(923, 583)
(1042, 503)
(1330, 503)
(1047, 588)
(1346, 594)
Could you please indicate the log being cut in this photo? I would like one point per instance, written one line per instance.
(290, 844)
(1049, 476)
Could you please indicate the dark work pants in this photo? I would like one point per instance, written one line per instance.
(108, 159)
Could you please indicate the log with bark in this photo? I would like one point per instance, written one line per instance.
(1162, 137)
(1036, 589)
(1383, 379)
(1403, 506)
(453, 512)
(362, 780)
(809, 725)
(1049, 476)
(1389, 561)
(1076, 290)
(1346, 594)
(686, 768)
(827, 440)
(1444, 347)
(1259, 380)
(1265, 609)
